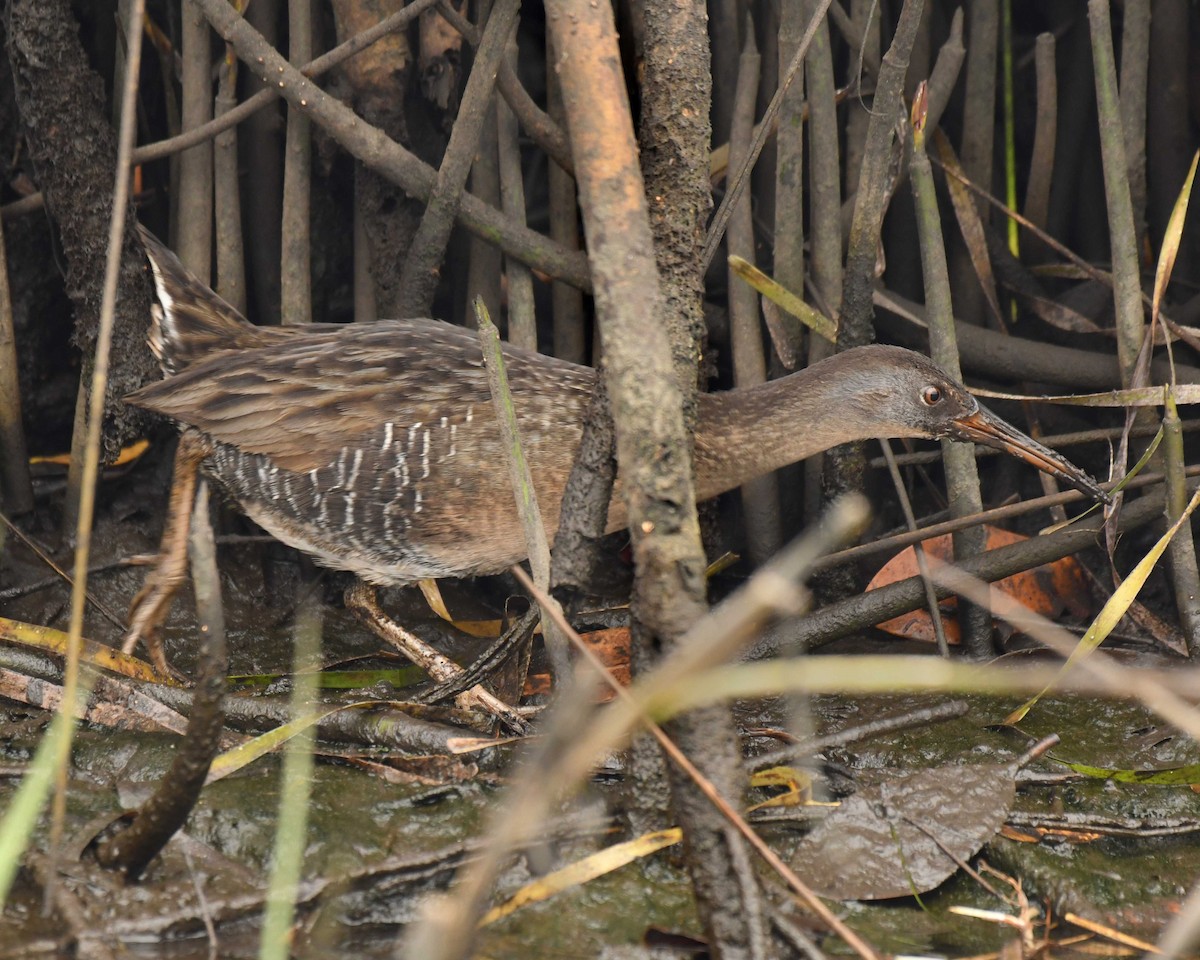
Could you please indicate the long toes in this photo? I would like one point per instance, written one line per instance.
(148, 612)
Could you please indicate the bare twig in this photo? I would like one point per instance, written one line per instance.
(192, 230)
(1127, 284)
(931, 601)
(522, 320)
(419, 277)
(382, 154)
(962, 478)
(546, 132)
(295, 274)
(227, 200)
(760, 496)
(737, 182)
(16, 484)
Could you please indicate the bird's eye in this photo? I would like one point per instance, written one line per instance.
(931, 396)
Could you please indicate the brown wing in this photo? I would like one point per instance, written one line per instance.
(302, 399)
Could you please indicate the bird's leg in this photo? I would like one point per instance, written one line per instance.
(150, 606)
(362, 601)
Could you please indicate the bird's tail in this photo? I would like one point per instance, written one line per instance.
(190, 322)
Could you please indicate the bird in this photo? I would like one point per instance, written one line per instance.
(373, 448)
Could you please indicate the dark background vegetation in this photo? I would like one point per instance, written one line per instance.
(829, 211)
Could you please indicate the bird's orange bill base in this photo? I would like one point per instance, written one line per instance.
(984, 427)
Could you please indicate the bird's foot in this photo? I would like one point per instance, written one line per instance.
(149, 610)
(152, 603)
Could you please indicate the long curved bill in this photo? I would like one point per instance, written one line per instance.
(985, 427)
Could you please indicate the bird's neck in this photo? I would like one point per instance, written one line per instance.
(742, 434)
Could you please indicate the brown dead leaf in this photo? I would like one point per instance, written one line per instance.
(611, 646)
(1049, 590)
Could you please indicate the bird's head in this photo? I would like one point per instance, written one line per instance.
(907, 394)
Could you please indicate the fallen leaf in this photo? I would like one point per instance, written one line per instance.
(905, 832)
(1049, 590)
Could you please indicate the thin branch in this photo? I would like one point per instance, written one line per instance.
(382, 154)
(737, 183)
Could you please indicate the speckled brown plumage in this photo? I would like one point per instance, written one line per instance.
(374, 448)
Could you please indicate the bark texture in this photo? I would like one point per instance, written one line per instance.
(652, 448)
(74, 151)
